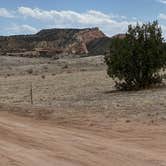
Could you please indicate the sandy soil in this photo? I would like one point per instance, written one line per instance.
(29, 142)
(77, 118)
(81, 87)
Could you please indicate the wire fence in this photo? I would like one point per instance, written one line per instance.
(26, 91)
(15, 92)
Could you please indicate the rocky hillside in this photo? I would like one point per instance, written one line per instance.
(53, 41)
(100, 46)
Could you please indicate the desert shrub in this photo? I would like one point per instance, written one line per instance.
(65, 66)
(43, 76)
(30, 71)
(45, 67)
(134, 62)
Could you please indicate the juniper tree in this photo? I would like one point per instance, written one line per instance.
(136, 60)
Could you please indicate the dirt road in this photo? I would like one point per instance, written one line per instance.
(88, 123)
(28, 142)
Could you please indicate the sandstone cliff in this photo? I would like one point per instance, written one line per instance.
(51, 42)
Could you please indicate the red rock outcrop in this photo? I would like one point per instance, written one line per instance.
(51, 41)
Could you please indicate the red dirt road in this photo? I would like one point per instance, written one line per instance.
(28, 142)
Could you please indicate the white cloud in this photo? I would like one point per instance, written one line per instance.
(21, 29)
(107, 23)
(110, 24)
(163, 27)
(5, 13)
(162, 1)
(162, 16)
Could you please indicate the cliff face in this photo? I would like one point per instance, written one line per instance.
(51, 41)
(101, 46)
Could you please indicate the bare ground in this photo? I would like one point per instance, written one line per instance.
(77, 118)
(29, 142)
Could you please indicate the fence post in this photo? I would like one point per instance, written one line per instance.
(31, 93)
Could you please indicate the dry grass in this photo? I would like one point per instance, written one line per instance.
(82, 87)
(78, 118)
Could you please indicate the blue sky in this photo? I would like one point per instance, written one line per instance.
(111, 16)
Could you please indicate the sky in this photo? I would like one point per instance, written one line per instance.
(111, 16)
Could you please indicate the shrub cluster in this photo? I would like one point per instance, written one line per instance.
(136, 60)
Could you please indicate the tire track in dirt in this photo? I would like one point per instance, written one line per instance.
(31, 142)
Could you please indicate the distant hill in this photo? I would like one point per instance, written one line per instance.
(101, 45)
(51, 42)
